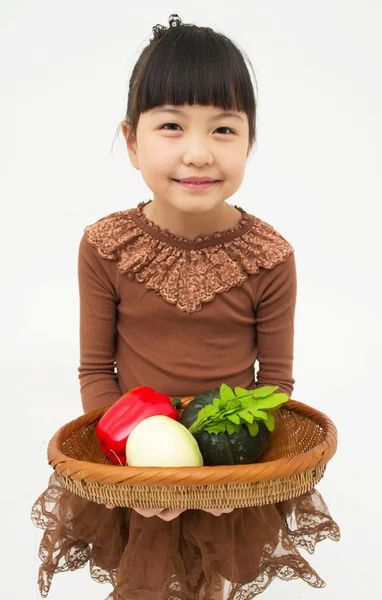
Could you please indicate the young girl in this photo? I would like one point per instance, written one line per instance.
(182, 293)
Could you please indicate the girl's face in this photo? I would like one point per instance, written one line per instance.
(175, 142)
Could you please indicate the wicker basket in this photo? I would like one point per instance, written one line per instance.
(303, 441)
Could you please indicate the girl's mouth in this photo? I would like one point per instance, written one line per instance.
(197, 186)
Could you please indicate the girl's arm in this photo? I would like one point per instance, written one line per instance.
(275, 326)
(98, 312)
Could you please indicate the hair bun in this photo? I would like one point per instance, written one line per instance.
(159, 30)
(175, 21)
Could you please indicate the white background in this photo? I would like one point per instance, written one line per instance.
(315, 175)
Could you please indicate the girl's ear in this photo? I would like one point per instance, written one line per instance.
(131, 145)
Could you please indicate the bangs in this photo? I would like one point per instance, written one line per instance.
(194, 66)
(191, 65)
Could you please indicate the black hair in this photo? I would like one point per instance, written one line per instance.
(189, 64)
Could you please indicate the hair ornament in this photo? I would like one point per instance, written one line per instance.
(159, 30)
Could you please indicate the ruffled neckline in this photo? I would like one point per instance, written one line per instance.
(187, 273)
(165, 235)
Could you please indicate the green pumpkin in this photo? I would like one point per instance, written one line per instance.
(224, 448)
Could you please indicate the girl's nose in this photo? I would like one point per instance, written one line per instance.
(198, 153)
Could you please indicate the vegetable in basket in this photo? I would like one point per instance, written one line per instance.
(162, 442)
(232, 426)
(115, 426)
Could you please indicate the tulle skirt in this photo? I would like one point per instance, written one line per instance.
(184, 559)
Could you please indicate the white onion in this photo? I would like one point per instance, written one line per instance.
(160, 441)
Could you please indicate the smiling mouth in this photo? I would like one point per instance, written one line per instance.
(196, 182)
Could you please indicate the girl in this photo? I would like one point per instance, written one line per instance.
(182, 293)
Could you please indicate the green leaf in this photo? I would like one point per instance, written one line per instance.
(246, 416)
(265, 390)
(226, 393)
(258, 414)
(203, 415)
(206, 412)
(237, 407)
(231, 407)
(272, 402)
(249, 403)
(234, 403)
(253, 428)
(216, 428)
(270, 423)
(234, 418)
(231, 428)
(242, 392)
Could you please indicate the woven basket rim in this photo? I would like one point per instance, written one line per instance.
(90, 472)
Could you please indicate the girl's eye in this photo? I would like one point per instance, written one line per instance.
(165, 125)
(176, 125)
(229, 128)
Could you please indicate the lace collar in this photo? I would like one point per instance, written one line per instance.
(200, 242)
(186, 272)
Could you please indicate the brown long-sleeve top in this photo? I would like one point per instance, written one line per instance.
(180, 315)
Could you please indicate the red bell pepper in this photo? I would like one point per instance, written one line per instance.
(118, 422)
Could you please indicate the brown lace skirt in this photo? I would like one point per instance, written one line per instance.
(182, 559)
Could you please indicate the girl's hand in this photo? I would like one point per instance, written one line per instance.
(167, 514)
(218, 511)
(164, 513)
